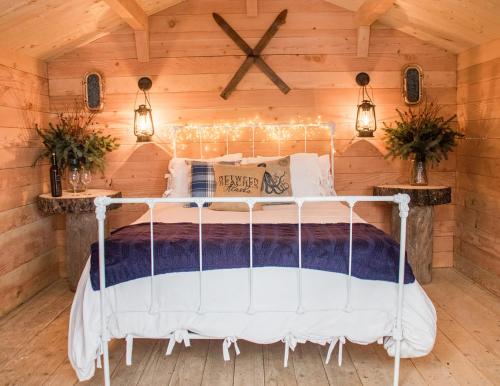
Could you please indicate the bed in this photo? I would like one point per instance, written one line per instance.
(307, 270)
(168, 306)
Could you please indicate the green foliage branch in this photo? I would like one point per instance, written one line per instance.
(422, 134)
(73, 137)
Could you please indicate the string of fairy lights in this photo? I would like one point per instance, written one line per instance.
(231, 132)
(273, 131)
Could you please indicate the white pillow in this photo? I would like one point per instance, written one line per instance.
(180, 173)
(326, 176)
(306, 174)
(258, 159)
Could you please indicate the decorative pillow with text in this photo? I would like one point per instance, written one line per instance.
(237, 181)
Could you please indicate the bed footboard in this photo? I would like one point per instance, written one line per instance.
(102, 203)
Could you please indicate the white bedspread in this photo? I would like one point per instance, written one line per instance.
(146, 308)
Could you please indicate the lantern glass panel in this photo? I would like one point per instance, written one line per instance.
(143, 123)
(366, 122)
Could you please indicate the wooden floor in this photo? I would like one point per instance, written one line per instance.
(33, 350)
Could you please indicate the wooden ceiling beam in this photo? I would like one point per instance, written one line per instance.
(363, 40)
(252, 9)
(130, 12)
(368, 13)
(371, 10)
(142, 45)
(137, 19)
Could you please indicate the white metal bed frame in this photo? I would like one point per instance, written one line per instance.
(102, 203)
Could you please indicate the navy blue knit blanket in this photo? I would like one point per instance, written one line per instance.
(325, 247)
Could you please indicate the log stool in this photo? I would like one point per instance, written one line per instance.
(420, 223)
(81, 225)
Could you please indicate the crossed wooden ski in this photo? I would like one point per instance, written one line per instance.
(253, 55)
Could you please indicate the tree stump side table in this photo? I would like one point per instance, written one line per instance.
(420, 223)
(81, 225)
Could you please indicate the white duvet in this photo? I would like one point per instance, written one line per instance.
(168, 304)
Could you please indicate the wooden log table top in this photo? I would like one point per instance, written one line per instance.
(419, 195)
(80, 202)
(81, 225)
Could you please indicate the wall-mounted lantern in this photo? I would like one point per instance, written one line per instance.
(366, 120)
(143, 118)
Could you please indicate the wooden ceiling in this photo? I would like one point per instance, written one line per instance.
(455, 25)
(47, 28)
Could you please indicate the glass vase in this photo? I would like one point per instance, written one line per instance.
(418, 175)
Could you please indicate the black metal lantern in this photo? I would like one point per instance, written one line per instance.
(143, 118)
(366, 120)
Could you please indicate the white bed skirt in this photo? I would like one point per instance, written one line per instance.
(132, 311)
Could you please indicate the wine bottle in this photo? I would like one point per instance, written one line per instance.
(55, 178)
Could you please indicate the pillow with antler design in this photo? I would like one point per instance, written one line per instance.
(277, 177)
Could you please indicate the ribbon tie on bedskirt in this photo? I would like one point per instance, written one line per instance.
(227, 344)
(290, 343)
(98, 359)
(178, 336)
(333, 342)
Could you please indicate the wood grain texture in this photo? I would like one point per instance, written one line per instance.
(81, 225)
(477, 246)
(131, 12)
(191, 61)
(419, 195)
(466, 351)
(46, 29)
(370, 10)
(446, 24)
(81, 232)
(363, 41)
(252, 8)
(142, 45)
(81, 202)
(419, 239)
(28, 260)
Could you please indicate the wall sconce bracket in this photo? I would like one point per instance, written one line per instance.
(362, 79)
(145, 83)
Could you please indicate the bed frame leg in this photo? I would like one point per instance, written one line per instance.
(100, 211)
(128, 349)
(397, 361)
(105, 357)
(403, 200)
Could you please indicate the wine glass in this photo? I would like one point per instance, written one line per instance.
(85, 177)
(74, 178)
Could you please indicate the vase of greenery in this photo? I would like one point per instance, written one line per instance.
(423, 136)
(75, 141)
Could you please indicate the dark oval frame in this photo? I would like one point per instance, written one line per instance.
(90, 93)
(412, 79)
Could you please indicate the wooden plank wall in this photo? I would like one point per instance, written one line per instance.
(314, 52)
(28, 244)
(477, 246)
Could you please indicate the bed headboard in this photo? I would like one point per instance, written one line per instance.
(232, 133)
(273, 132)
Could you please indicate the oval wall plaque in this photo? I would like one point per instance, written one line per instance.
(413, 82)
(93, 91)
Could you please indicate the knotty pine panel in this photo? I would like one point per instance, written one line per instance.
(62, 69)
(477, 246)
(191, 61)
(28, 261)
